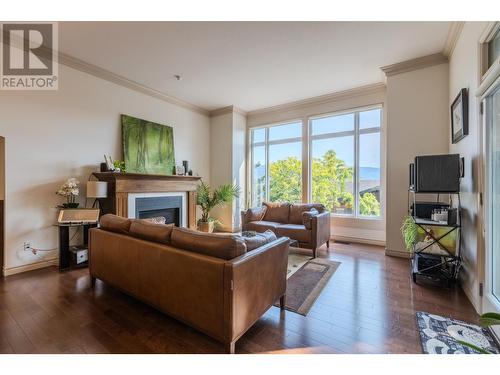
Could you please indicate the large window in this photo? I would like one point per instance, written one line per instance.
(344, 162)
(277, 163)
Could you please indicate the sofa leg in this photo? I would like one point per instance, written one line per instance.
(92, 282)
(282, 302)
(230, 347)
(328, 244)
(314, 253)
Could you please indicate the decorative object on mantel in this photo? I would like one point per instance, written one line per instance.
(109, 163)
(179, 170)
(460, 117)
(119, 166)
(185, 164)
(70, 190)
(208, 199)
(148, 147)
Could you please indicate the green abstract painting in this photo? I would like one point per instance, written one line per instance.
(147, 147)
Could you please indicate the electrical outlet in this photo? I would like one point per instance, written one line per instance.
(27, 246)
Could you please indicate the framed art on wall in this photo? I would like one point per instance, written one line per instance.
(148, 147)
(459, 117)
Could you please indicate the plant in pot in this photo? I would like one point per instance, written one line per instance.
(208, 199)
(70, 191)
(409, 230)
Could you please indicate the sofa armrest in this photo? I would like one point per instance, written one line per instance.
(252, 214)
(253, 282)
(320, 225)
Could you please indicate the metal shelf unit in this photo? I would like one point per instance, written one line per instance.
(444, 267)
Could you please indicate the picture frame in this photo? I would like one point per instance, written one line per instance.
(460, 117)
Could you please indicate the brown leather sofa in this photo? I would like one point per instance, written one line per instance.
(218, 284)
(308, 224)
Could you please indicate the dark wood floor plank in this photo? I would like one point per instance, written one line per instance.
(368, 306)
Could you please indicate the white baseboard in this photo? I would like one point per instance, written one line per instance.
(8, 271)
(397, 253)
(366, 241)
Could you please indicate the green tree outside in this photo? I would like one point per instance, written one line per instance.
(329, 177)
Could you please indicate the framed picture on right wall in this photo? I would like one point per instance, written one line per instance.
(459, 117)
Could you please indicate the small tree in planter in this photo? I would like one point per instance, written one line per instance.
(208, 199)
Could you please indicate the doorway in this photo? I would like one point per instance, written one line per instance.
(491, 121)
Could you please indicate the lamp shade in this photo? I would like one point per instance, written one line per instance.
(97, 189)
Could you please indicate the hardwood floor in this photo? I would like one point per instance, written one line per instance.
(367, 307)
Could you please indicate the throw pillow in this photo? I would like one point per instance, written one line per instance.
(259, 239)
(307, 217)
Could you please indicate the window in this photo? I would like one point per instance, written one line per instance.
(345, 162)
(277, 163)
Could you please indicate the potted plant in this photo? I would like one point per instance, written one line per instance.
(208, 199)
(409, 231)
(70, 191)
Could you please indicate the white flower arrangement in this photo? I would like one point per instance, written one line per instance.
(69, 190)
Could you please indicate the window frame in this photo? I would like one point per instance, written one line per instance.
(356, 133)
(306, 160)
(266, 143)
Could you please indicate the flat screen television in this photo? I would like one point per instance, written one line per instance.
(436, 174)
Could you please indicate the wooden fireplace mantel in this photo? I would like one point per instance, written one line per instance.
(121, 184)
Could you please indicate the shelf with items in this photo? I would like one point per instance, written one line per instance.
(436, 251)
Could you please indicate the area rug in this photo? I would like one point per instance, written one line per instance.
(306, 278)
(439, 335)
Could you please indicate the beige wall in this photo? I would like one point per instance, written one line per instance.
(417, 124)
(464, 73)
(53, 135)
(2, 168)
(370, 230)
(227, 163)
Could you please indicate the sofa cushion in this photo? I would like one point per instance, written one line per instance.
(260, 239)
(255, 214)
(114, 223)
(278, 212)
(215, 245)
(294, 231)
(296, 211)
(262, 226)
(307, 217)
(150, 231)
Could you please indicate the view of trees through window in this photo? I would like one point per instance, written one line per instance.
(344, 165)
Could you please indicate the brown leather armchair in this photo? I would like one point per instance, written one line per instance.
(308, 224)
(214, 283)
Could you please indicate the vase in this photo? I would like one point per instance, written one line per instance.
(206, 226)
(71, 205)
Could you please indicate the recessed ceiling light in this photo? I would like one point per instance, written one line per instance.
(177, 77)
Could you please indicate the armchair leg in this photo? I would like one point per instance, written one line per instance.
(282, 302)
(328, 244)
(314, 253)
(92, 282)
(230, 347)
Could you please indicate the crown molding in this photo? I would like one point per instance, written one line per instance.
(226, 110)
(414, 64)
(454, 32)
(109, 76)
(336, 96)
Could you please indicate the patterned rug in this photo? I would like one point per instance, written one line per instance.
(306, 278)
(439, 335)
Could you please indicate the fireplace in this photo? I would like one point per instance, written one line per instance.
(127, 189)
(172, 206)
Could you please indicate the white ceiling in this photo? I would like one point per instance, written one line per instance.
(251, 65)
